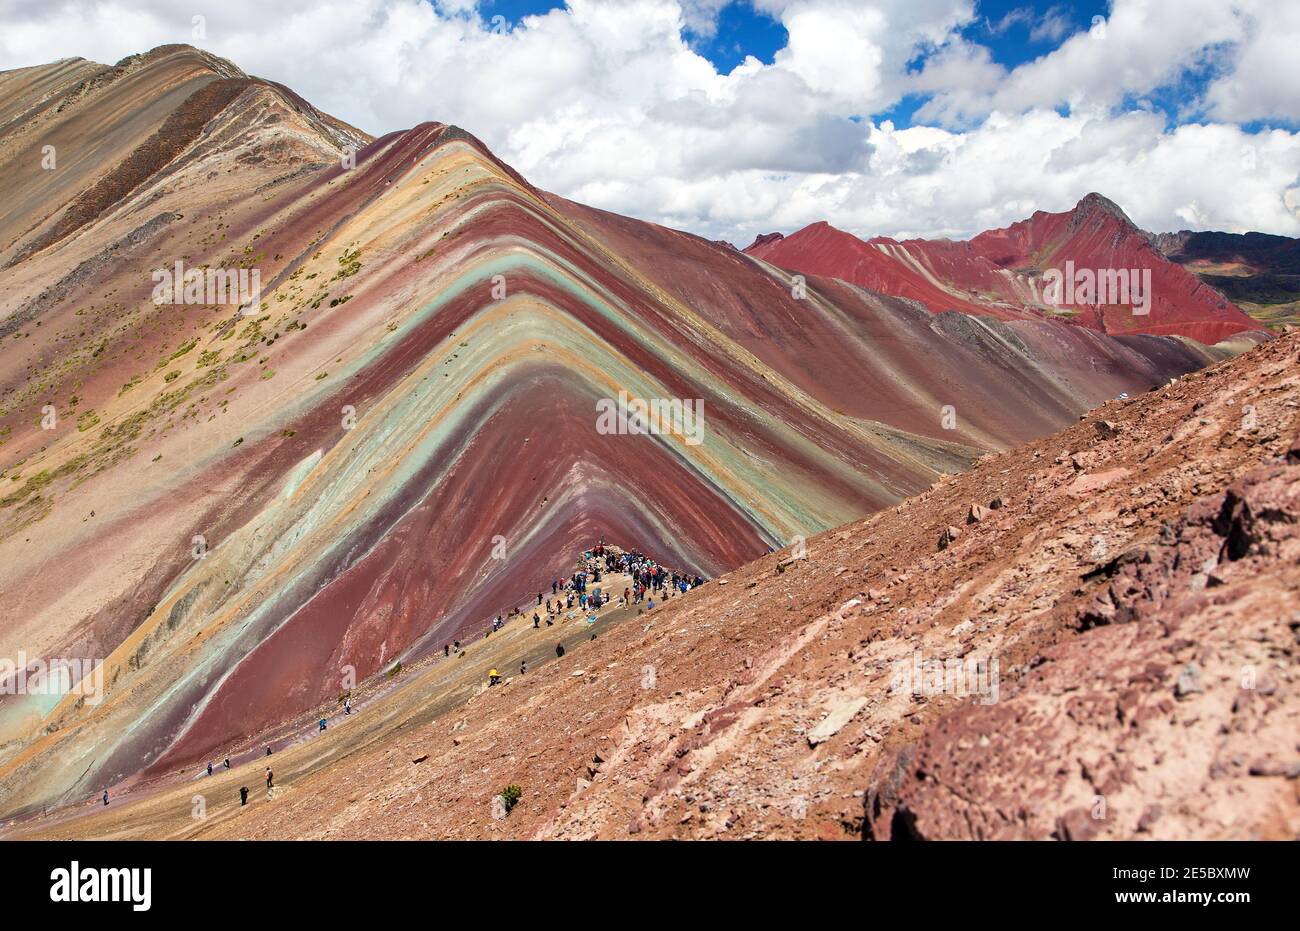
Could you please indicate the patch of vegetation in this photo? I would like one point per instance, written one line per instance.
(31, 487)
(510, 796)
(184, 348)
(349, 264)
(254, 329)
(249, 260)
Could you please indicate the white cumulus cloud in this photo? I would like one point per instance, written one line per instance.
(611, 103)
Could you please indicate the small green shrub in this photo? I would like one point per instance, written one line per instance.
(510, 796)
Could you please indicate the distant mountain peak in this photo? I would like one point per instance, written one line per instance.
(1095, 203)
(221, 66)
(764, 239)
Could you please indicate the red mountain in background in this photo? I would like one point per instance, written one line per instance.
(1005, 273)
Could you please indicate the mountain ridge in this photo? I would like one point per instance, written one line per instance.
(1001, 272)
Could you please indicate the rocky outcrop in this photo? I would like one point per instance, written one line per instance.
(1174, 713)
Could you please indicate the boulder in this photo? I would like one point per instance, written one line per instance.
(834, 722)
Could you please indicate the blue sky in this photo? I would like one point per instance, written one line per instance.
(1014, 31)
(743, 30)
(1007, 26)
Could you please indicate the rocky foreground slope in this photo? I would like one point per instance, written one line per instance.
(239, 506)
(1115, 614)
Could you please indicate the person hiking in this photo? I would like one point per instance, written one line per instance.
(537, 621)
(105, 796)
(539, 599)
(559, 649)
(268, 751)
(270, 778)
(523, 666)
(493, 677)
(209, 769)
(243, 795)
(446, 649)
(227, 762)
(347, 706)
(322, 724)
